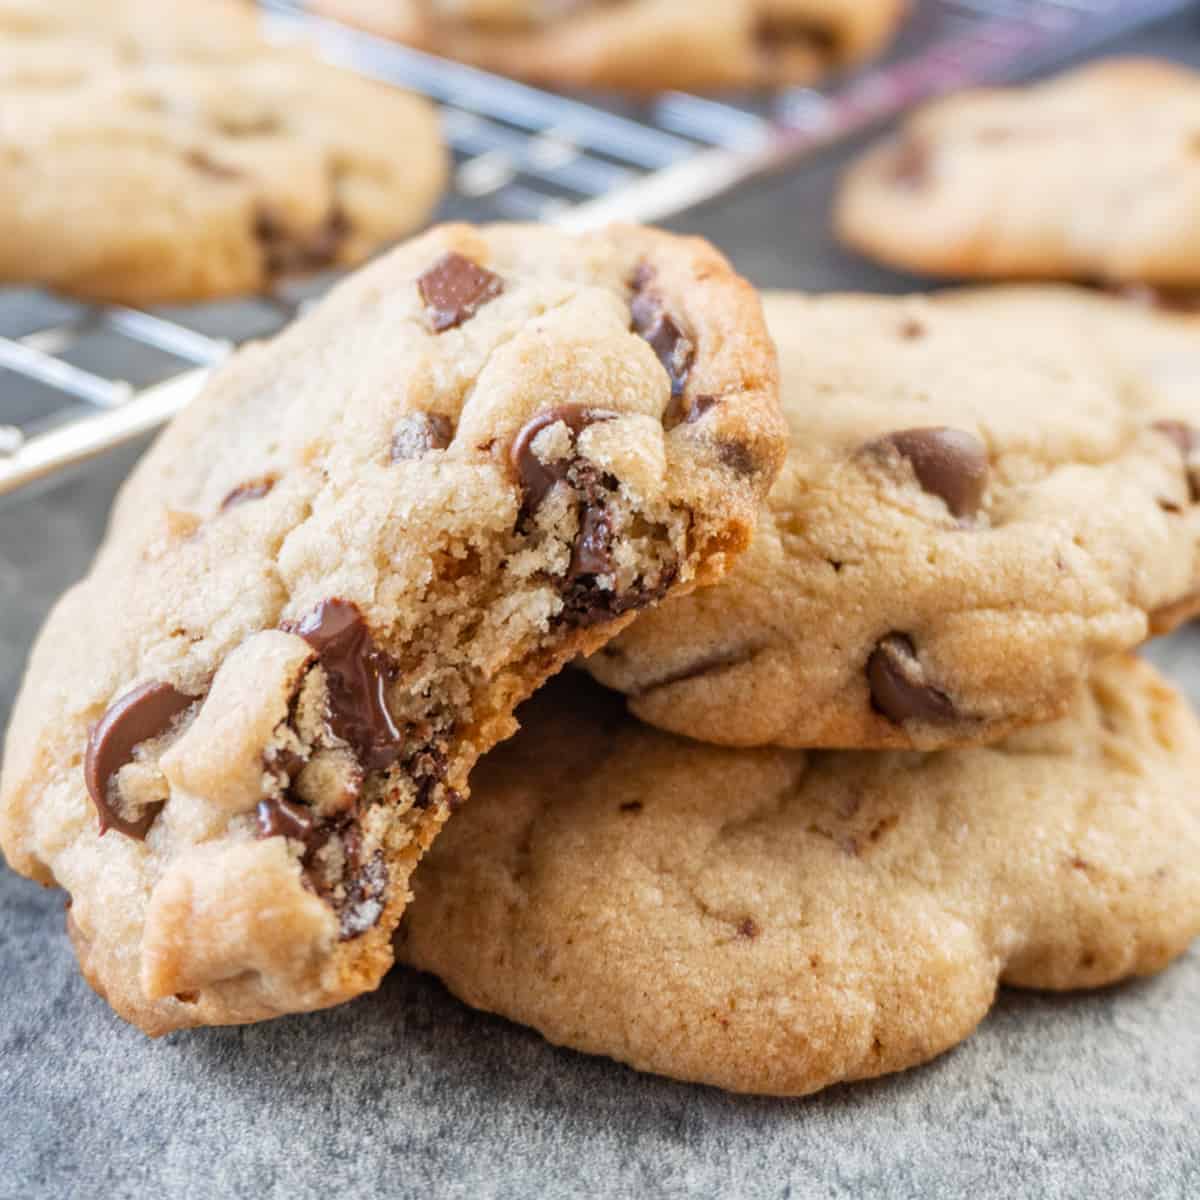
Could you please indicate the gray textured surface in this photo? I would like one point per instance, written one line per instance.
(408, 1093)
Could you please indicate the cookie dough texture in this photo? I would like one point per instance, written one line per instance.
(985, 494)
(147, 159)
(1089, 176)
(638, 45)
(777, 921)
(329, 583)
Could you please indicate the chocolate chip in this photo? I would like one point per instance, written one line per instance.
(254, 489)
(898, 686)
(417, 433)
(592, 553)
(454, 289)
(1180, 300)
(737, 457)
(357, 674)
(364, 899)
(910, 163)
(585, 605)
(139, 715)
(912, 330)
(651, 321)
(748, 928)
(285, 818)
(681, 411)
(286, 252)
(1187, 439)
(631, 806)
(207, 165)
(948, 463)
(537, 477)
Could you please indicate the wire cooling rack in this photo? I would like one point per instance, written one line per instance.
(77, 380)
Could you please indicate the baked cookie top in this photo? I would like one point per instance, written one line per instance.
(638, 45)
(1089, 176)
(329, 583)
(984, 495)
(149, 160)
(777, 921)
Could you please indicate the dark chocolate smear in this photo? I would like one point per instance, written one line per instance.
(139, 715)
(948, 463)
(357, 673)
(592, 552)
(281, 817)
(898, 686)
(454, 289)
(537, 477)
(417, 433)
(675, 350)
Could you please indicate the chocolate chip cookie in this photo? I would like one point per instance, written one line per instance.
(1090, 176)
(776, 921)
(638, 45)
(328, 585)
(149, 160)
(983, 497)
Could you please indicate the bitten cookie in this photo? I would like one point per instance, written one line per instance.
(328, 585)
(1090, 176)
(639, 45)
(776, 921)
(983, 497)
(147, 159)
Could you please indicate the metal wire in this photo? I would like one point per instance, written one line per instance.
(78, 380)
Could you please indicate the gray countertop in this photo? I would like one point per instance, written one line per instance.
(408, 1093)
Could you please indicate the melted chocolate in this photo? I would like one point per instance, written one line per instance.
(139, 715)
(357, 674)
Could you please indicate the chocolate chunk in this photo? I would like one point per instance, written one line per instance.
(364, 899)
(682, 412)
(910, 163)
(948, 463)
(357, 674)
(285, 818)
(286, 252)
(898, 686)
(454, 289)
(537, 477)
(139, 715)
(1188, 440)
(675, 350)
(592, 553)
(417, 433)
(254, 489)
(584, 604)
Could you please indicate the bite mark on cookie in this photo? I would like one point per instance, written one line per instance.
(454, 289)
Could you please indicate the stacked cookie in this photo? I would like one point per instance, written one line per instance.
(882, 747)
(988, 499)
